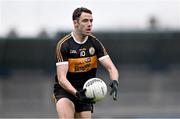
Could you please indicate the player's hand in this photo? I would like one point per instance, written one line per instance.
(80, 95)
(114, 89)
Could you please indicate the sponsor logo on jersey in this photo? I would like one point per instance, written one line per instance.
(91, 50)
(82, 64)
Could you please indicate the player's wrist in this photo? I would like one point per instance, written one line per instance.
(75, 93)
(80, 94)
(116, 81)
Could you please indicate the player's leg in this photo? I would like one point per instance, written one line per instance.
(83, 115)
(65, 108)
(83, 110)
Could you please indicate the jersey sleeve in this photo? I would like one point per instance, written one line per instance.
(101, 51)
(61, 53)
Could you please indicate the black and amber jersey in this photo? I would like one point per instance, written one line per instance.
(81, 58)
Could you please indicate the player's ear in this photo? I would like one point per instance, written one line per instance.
(75, 22)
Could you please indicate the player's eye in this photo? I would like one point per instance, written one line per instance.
(85, 20)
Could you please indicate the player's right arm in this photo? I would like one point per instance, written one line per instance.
(62, 65)
(62, 69)
(63, 82)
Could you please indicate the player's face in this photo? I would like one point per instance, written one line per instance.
(84, 24)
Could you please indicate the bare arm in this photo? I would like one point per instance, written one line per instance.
(61, 74)
(113, 74)
(110, 67)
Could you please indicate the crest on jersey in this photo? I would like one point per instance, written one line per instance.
(91, 50)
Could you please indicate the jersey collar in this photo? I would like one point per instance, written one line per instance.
(85, 39)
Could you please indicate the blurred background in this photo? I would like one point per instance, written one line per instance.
(141, 36)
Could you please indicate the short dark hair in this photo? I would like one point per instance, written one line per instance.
(77, 12)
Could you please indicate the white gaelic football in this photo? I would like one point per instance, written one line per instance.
(95, 88)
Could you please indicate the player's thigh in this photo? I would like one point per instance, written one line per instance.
(65, 108)
(84, 114)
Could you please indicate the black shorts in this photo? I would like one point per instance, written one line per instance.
(59, 93)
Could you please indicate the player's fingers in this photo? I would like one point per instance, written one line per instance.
(115, 95)
(110, 85)
(84, 90)
(111, 92)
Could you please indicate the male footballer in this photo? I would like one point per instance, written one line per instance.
(77, 56)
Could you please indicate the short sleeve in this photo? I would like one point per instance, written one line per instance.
(101, 51)
(61, 52)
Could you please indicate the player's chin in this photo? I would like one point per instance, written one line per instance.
(88, 33)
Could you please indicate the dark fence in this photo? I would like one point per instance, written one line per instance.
(152, 48)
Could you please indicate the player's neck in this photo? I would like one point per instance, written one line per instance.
(79, 37)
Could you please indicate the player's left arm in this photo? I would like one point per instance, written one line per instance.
(113, 75)
(110, 67)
